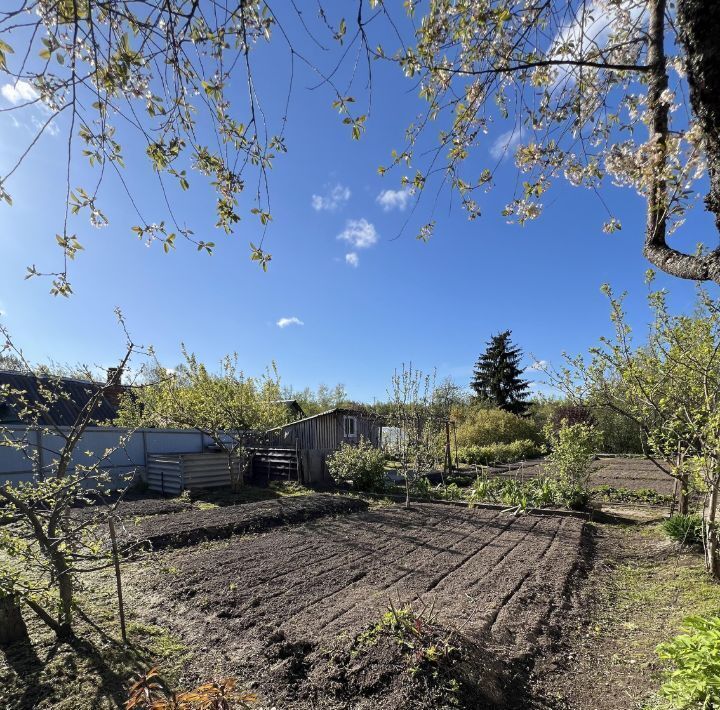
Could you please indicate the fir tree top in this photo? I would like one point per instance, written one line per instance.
(497, 377)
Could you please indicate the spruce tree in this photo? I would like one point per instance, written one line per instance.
(497, 375)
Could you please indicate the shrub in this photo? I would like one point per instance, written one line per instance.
(483, 426)
(361, 464)
(420, 486)
(499, 453)
(686, 529)
(694, 677)
(568, 464)
(451, 492)
(620, 434)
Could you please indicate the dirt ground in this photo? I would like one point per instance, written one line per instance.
(616, 472)
(638, 589)
(268, 608)
(190, 527)
(532, 612)
(632, 473)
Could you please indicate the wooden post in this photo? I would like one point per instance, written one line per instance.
(118, 580)
(457, 463)
(448, 454)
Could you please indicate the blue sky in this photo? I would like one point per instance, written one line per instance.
(397, 300)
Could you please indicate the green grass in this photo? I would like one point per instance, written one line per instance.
(92, 673)
(646, 601)
(156, 642)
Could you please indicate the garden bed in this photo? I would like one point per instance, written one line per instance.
(194, 526)
(282, 610)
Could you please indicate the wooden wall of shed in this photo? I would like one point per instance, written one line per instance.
(326, 431)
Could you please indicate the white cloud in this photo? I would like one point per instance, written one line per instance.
(19, 92)
(588, 33)
(330, 201)
(285, 322)
(538, 366)
(352, 259)
(505, 143)
(394, 199)
(50, 129)
(359, 233)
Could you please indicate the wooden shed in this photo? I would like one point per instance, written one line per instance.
(318, 436)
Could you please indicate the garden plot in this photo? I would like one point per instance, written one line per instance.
(190, 527)
(266, 608)
(632, 473)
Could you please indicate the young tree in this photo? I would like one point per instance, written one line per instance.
(670, 388)
(44, 547)
(226, 406)
(409, 410)
(497, 376)
(572, 445)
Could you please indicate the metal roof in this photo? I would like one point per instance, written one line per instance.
(335, 410)
(74, 395)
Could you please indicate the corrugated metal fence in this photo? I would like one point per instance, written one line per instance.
(170, 474)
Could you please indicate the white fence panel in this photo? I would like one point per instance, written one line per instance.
(122, 452)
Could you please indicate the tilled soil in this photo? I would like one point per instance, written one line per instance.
(270, 609)
(190, 527)
(138, 508)
(632, 473)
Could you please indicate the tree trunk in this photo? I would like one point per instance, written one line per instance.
(683, 496)
(12, 624)
(711, 541)
(65, 589)
(698, 22)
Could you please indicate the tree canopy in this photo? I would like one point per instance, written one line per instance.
(497, 378)
(593, 91)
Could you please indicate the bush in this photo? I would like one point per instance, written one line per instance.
(686, 529)
(568, 464)
(420, 486)
(499, 453)
(620, 434)
(361, 464)
(483, 426)
(694, 679)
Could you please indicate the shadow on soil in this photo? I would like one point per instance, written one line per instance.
(38, 683)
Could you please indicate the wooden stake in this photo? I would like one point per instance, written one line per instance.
(116, 561)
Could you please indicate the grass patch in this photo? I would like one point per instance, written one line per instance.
(92, 672)
(645, 603)
(155, 639)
